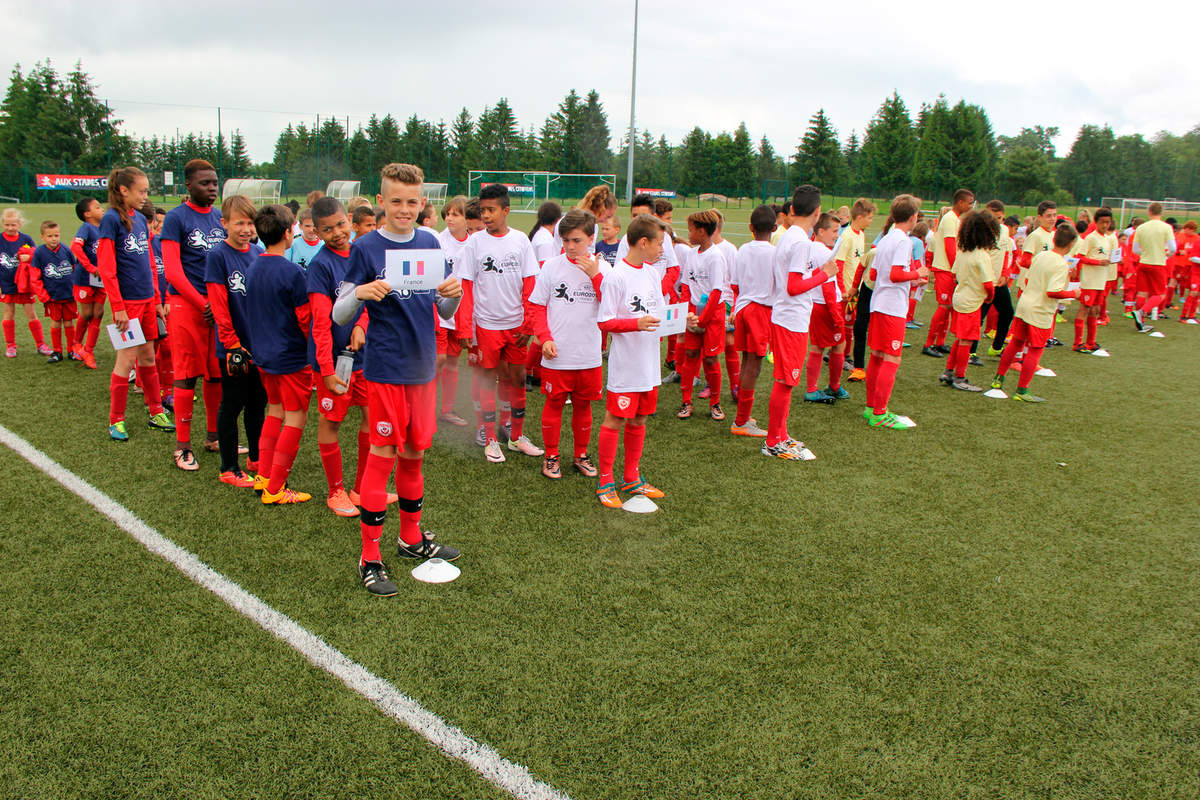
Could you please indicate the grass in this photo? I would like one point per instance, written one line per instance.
(998, 603)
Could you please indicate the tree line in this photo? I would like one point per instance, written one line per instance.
(50, 123)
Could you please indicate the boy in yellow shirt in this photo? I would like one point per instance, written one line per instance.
(1094, 255)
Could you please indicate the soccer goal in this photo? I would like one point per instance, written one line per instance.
(574, 185)
(260, 190)
(343, 190)
(1126, 208)
(525, 189)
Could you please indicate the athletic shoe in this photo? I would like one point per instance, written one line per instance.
(1058, 318)
(389, 500)
(1191, 321)
(185, 459)
(551, 468)
(733, 392)
(427, 548)
(1053, 342)
(802, 452)
(912, 326)
(964, 385)
(10, 351)
(975, 361)
(251, 467)
(117, 433)
(607, 495)
(716, 412)
(1026, 397)
(89, 359)
(450, 418)
(891, 421)
(644, 489)
(523, 445)
(285, 497)
(857, 375)
(1128, 315)
(672, 377)
(54, 358)
(932, 352)
(818, 397)
(750, 429)
(990, 334)
(837, 394)
(1138, 319)
(868, 412)
(481, 437)
(235, 477)
(998, 382)
(1102, 322)
(243, 450)
(212, 446)
(1082, 348)
(374, 577)
(685, 411)
(161, 422)
(585, 466)
(770, 357)
(504, 433)
(74, 353)
(942, 349)
(260, 482)
(994, 353)
(531, 384)
(780, 450)
(493, 453)
(44, 349)
(339, 503)
(705, 393)
(947, 377)
(168, 403)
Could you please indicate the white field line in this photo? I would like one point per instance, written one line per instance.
(511, 777)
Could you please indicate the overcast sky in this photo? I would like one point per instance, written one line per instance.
(704, 62)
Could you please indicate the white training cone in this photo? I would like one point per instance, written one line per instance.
(1101, 353)
(436, 570)
(1157, 335)
(639, 504)
(1046, 372)
(997, 394)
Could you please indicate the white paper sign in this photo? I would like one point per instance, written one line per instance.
(415, 270)
(674, 320)
(132, 336)
(168, 179)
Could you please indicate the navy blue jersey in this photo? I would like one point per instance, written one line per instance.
(135, 276)
(275, 288)
(88, 236)
(229, 266)
(9, 262)
(608, 251)
(160, 272)
(326, 272)
(401, 347)
(197, 230)
(57, 268)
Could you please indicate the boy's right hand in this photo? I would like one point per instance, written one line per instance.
(335, 384)
(648, 323)
(375, 290)
(549, 350)
(830, 268)
(590, 265)
(121, 318)
(923, 273)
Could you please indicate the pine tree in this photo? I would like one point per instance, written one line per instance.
(933, 164)
(695, 163)
(819, 156)
(887, 151)
(594, 136)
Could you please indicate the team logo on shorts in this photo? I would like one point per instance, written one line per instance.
(943, 296)
(896, 344)
(837, 337)
(623, 402)
(383, 428)
(795, 374)
(549, 389)
(327, 404)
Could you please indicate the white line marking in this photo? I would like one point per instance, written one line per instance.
(511, 777)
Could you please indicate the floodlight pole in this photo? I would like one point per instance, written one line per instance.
(632, 107)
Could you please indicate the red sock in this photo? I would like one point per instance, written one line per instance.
(777, 412)
(39, 336)
(1009, 355)
(936, 327)
(552, 413)
(212, 403)
(836, 362)
(581, 426)
(148, 379)
(266, 443)
(476, 394)
(1170, 298)
(487, 408)
(118, 397)
(331, 460)
(912, 309)
(286, 447)
(449, 386)
(410, 486)
(10, 332)
(1079, 325)
(635, 440)
(516, 395)
(1190, 307)
(733, 367)
(374, 503)
(56, 338)
(812, 370)
(679, 350)
(504, 403)
(884, 384)
(93, 334)
(1153, 302)
(1030, 366)
(364, 449)
(606, 451)
(962, 356)
(185, 400)
(872, 378)
(712, 374)
(745, 405)
(688, 369)
(671, 346)
(993, 319)
(77, 332)
(162, 360)
(1091, 332)
(533, 360)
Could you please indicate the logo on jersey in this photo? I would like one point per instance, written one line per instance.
(896, 344)
(623, 402)
(635, 305)
(135, 243)
(7, 261)
(489, 265)
(383, 428)
(327, 404)
(198, 240)
(560, 293)
(237, 283)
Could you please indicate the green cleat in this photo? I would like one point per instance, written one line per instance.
(998, 382)
(161, 422)
(868, 412)
(891, 421)
(117, 433)
(1025, 396)
(994, 353)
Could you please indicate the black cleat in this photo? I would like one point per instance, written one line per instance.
(427, 548)
(931, 351)
(975, 361)
(54, 358)
(374, 577)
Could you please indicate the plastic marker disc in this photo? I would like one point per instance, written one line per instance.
(436, 570)
(998, 394)
(1046, 372)
(1102, 353)
(906, 420)
(640, 504)
(1157, 335)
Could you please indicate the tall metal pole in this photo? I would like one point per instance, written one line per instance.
(632, 108)
(220, 145)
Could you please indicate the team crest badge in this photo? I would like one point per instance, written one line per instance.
(795, 374)
(383, 428)
(896, 344)
(327, 404)
(623, 402)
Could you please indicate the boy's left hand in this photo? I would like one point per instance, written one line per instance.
(450, 288)
(358, 338)
(693, 321)
(162, 312)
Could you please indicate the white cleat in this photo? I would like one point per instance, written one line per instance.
(493, 453)
(523, 445)
(802, 452)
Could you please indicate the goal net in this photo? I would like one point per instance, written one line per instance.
(343, 190)
(260, 190)
(525, 189)
(1126, 208)
(572, 186)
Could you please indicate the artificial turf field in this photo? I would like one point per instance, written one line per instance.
(999, 603)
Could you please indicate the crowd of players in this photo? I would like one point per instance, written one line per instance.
(268, 308)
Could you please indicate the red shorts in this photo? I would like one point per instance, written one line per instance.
(447, 342)
(1193, 281)
(19, 298)
(61, 310)
(402, 414)
(1091, 297)
(790, 350)
(752, 330)
(144, 312)
(581, 384)
(943, 286)
(627, 405)
(497, 346)
(193, 344)
(90, 294)
(1034, 337)
(1151, 280)
(885, 333)
(965, 324)
(826, 328)
(333, 407)
(1110, 287)
(712, 341)
(293, 391)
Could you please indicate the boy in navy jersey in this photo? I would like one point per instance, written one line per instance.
(162, 347)
(399, 367)
(89, 289)
(278, 311)
(225, 271)
(53, 268)
(189, 232)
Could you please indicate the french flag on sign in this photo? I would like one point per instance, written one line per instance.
(672, 313)
(413, 268)
(128, 335)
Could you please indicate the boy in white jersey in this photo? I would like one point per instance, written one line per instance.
(666, 266)
(631, 307)
(565, 301)
(704, 290)
(497, 269)
(449, 347)
(733, 362)
(753, 288)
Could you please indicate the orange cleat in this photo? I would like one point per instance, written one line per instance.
(857, 375)
(644, 489)
(236, 478)
(607, 495)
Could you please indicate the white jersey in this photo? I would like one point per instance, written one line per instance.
(571, 302)
(753, 275)
(818, 255)
(453, 249)
(669, 258)
(791, 311)
(497, 267)
(729, 251)
(893, 250)
(704, 273)
(543, 245)
(630, 292)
